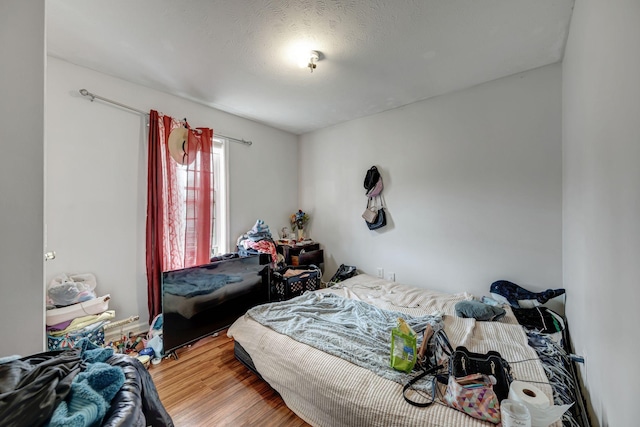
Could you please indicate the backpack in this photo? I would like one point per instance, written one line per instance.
(371, 178)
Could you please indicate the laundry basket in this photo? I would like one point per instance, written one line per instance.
(291, 281)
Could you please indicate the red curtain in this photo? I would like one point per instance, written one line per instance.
(179, 205)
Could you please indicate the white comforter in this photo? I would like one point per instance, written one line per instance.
(326, 390)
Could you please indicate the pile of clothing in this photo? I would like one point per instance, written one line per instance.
(258, 240)
(526, 306)
(75, 312)
(83, 386)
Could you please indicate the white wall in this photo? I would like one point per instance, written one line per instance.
(472, 186)
(601, 148)
(96, 177)
(22, 89)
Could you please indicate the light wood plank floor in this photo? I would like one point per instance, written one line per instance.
(207, 386)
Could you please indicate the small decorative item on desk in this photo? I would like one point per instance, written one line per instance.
(284, 233)
(298, 220)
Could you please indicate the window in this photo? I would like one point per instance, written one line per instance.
(219, 228)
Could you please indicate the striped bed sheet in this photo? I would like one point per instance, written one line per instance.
(325, 390)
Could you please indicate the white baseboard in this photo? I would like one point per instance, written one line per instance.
(116, 333)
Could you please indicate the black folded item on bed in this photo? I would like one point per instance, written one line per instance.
(540, 319)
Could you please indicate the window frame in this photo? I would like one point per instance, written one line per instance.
(220, 227)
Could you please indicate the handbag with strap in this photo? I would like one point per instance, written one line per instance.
(433, 357)
(473, 395)
(477, 383)
(381, 217)
(464, 362)
(371, 178)
(381, 220)
(370, 214)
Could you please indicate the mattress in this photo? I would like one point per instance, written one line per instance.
(326, 390)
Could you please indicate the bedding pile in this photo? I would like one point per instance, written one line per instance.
(327, 390)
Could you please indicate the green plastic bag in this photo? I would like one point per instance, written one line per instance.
(403, 347)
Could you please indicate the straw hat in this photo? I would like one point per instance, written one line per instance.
(179, 146)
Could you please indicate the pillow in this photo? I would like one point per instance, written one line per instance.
(479, 311)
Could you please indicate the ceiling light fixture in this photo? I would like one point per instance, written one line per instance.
(314, 57)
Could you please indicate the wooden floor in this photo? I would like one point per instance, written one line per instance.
(208, 386)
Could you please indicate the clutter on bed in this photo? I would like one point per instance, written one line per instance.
(84, 386)
(541, 319)
(346, 328)
(516, 296)
(560, 370)
(464, 363)
(320, 373)
(403, 347)
(474, 395)
(476, 383)
(478, 310)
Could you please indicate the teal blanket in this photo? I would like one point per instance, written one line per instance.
(350, 329)
(91, 390)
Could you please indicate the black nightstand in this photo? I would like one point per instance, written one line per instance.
(309, 254)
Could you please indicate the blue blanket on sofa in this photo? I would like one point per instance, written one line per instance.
(91, 390)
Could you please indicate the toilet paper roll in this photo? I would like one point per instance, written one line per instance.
(514, 414)
(542, 411)
(528, 394)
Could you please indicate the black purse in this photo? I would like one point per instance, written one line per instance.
(381, 220)
(371, 178)
(463, 363)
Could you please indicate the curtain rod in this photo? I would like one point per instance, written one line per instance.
(93, 96)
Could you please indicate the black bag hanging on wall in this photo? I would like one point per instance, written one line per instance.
(371, 178)
(374, 216)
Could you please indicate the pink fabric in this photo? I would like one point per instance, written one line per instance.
(264, 246)
(377, 189)
(197, 239)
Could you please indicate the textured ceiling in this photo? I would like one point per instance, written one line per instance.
(376, 54)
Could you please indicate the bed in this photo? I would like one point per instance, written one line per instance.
(77, 386)
(328, 390)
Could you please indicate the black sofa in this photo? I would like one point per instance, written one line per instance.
(32, 387)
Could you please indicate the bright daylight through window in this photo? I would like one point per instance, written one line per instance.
(220, 198)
